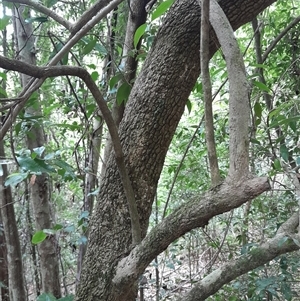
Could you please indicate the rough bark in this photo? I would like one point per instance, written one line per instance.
(14, 256)
(152, 113)
(38, 189)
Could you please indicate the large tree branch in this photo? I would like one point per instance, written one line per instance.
(194, 213)
(53, 71)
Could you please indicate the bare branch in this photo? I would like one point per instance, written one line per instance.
(239, 109)
(207, 94)
(192, 214)
(44, 72)
(98, 9)
(45, 10)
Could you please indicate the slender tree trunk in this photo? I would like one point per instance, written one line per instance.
(14, 256)
(4, 292)
(39, 188)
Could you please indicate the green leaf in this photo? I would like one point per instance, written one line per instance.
(284, 152)
(3, 93)
(16, 178)
(123, 93)
(4, 22)
(34, 165)
(258, 110)
(94, 75)
(89, 47)
(38, 237)
(161, 9)
(277, 165)
(50, 3)
(189, 106)
(261, 86)
(138, 34)
(101, 49)
(114, 80)
(298, 161)
(3, 75)
(57, 227)
(37, 19)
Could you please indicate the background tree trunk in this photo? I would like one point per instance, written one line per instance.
(14, 256)
(38, 187)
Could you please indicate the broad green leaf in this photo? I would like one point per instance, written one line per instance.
(261, 86)
(114, 80)
(123, 93)
(57, 227)
(258, 109)
(298, 161)
(3, 75)
(4, 22)
(35, 165)
(94, 75)
(284, 152)
(16, 178)
(101, 49)
(138, 34)
(89, 47)
(38, 237)
(161, 9)
(37, 19)
(67, 168)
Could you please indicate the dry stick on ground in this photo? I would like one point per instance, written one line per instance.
(207, 94)
(44, 72)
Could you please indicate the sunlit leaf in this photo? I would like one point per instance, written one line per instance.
(161, 9)
(16, 178)
(4, 22)
(261, 86)
(38, 237)
(138, 34)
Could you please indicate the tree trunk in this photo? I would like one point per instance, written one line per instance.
(14, 256)
(39, 188)
(151, 116)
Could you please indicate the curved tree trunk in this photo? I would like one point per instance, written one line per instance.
(151, 116)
